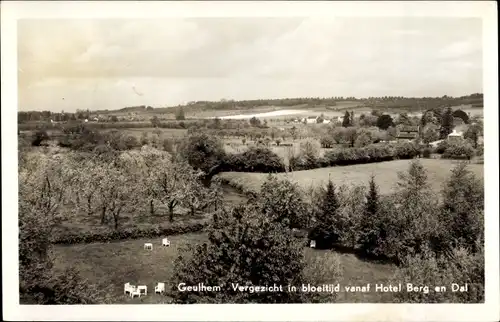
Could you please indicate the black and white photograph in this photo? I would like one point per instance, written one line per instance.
(278, 154)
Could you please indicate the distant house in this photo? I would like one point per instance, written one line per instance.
(455, 136)
(408, 133)
(340, 119)
(326, 121)
(311, 120)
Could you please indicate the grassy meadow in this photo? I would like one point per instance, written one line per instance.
(386, 175)
(110, 265)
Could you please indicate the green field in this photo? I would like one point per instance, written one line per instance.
(386, 175)
(109, 266)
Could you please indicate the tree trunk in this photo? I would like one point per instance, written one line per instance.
(103, 215)
(170, 212)
(116, 217)
(89, 205)
(151, 207)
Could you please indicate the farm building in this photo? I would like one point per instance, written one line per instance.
(311, 120)
(408, 133)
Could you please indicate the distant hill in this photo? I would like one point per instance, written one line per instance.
(386, 103)
(341, 103)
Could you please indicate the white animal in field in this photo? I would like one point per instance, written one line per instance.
(160, 288)
(148, 246)
(165, 242)
(129, 288)
(312, 244)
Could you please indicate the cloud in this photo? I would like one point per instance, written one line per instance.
(460, 49)
(408, 32)
(97, 63)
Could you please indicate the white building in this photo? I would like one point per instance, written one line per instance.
(312, 120)
(455, 136)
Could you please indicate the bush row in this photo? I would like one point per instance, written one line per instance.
(130, 233)
(255, 159)
(350, 156)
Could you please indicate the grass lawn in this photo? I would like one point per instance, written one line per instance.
(111, 265)
(114, 264)
(386, 174)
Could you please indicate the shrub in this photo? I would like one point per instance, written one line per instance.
(144, 138)
(462, 150)
(321, 269)
(39, 137)
(460, 267)
(441, 147)
(244, 248)
(480, 150)
(406, 150)
(168, 145)
(282, 200)
(203, 152)
(363, 139)
(327, 142)
(371, 153)
(384, 122)
(255, 159)
(426, 153)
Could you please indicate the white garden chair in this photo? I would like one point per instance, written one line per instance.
(135, 293)
(128, 288)
(160, 288)
(148, 246)
(165, 242)
(143, 289)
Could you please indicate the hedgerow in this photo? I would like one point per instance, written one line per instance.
(255, 159)
(369, 154)
(130, 233)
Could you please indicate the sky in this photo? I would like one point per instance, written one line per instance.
(113, 63)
